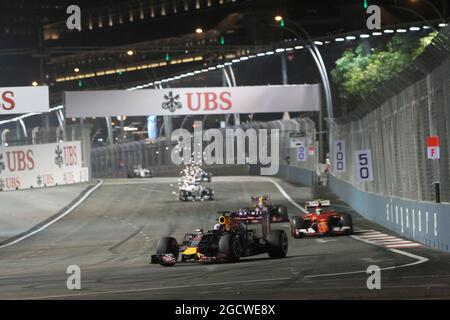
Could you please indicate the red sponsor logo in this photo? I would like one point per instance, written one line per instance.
(12, 183)
(20, 160)
(47, 179)
(7, 102)
(209, 101)
(69, 177)
(70, 156)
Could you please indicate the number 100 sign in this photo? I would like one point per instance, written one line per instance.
(339, 163)
(364, 170)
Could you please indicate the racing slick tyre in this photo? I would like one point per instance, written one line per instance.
(348, 222)
(277, 244)
(167, 245)
(296, 223)
(230, 246)
(282, 211)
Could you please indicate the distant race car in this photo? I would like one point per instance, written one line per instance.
(229, 240)
(195, 192)
(139, 172)
(321, 220)
(262, 204)
(203, 176)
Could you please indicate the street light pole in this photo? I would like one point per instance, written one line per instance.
(315, 53)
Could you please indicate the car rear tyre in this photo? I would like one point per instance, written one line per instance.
(230, 246)
(277, 244)
(347, 222)
(167, 245)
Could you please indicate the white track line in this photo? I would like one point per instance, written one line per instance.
(382, 239)
(65, 213)
(404, 245)
(287, 196)
(397, 240)
(418, 259)
(157, 288)
(381, 236)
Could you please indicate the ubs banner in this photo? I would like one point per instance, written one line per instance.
(192, 101)
(41, 165)
(15, 100)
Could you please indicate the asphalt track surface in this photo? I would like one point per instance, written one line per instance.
(112, 234)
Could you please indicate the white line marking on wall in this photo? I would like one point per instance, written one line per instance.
(401, 217)
(407, 218)
(426, 220)
(65, 213)
(396, 214)
(414, 222)
(420, 221)
(435, 225)
(387, 211)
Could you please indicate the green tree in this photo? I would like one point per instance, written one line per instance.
(357, 74)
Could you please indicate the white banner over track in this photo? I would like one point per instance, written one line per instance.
(15, 100)
(192, 101)
(41, 165)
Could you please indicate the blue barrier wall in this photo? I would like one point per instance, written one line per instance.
(425, 222)
(296, 174)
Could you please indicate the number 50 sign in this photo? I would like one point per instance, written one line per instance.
(364, 171)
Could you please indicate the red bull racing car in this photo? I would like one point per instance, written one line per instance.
(321, 220)
(232, 237)
(262, 205)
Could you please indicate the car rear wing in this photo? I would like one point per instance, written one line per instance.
(244, 217)
(317, 204)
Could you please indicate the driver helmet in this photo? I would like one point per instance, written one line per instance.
(319, 211)
(217, 226)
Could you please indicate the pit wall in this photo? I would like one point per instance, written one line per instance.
(424, 222)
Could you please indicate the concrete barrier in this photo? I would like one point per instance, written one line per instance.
(424, 222)
(297, 174)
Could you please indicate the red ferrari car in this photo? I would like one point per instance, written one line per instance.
(321, 220)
